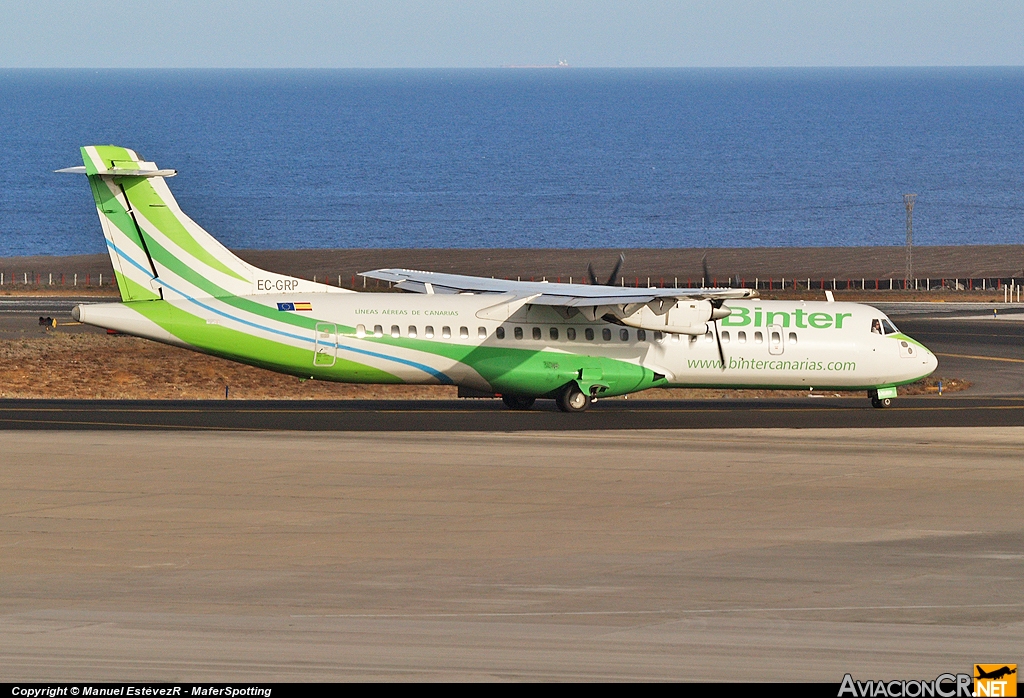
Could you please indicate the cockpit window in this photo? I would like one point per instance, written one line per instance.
(876, 326)
(887, 326)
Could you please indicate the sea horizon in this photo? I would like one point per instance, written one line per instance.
(507, 158)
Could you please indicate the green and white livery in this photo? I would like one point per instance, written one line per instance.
(519, 340)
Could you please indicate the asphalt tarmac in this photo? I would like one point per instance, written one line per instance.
(985, 348)
(490, 415)
(714, 555)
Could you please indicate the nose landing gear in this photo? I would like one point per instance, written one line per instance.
(882, 397)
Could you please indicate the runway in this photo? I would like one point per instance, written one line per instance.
(491, 416)
(715, 555)
(987, 352)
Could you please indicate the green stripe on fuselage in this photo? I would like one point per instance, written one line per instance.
(213, 291)
(506, 369)
(246, 348)
(531, 371)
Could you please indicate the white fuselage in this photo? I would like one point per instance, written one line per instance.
(771, 344)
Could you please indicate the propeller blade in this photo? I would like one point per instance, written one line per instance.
(592, 275)
(718, 338)
(704, 267)
(615, 272)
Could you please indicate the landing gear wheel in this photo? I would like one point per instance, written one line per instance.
(515, 402)
(572, 399)
(880, 403)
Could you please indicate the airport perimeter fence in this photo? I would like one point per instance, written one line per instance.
(1010, 287)
(42, 280)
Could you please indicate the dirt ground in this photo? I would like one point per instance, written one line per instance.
(90, 365)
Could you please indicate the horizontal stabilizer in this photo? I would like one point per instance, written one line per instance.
(119, 172)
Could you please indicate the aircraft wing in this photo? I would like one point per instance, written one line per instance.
(545, 293)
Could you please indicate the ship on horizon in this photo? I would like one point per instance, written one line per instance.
(560, 64)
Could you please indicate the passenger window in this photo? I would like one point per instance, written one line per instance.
(519, 332)
(570, 334)
(725, 336)
(606, 334)
(360, 330)
(659, 336)
(446, 332)
(481, 333)
(428, 331)
(463, 333)
(554, 334)
(589, 334)
(378, 331)
(396, 331)
(709, 337)
(675, 338)
(641, 335)
(412, 331)
(776, 337)
(741, 337)
(758, 338)
(624, 335)
(792, 337)
(537, 333)
(887, 326)
(500, 333)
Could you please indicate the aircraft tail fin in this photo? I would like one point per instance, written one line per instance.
(153, 245)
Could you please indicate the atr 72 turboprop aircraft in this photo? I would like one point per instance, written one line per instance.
(518, 340)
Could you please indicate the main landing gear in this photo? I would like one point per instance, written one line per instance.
(572, 399)
(516, 402)
(569, 399)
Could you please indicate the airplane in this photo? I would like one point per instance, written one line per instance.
(522, 341)
(995, 674)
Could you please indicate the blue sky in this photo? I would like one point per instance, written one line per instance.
(492, 33)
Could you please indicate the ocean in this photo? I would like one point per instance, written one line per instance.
(562, 158)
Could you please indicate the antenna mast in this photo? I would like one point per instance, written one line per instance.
(908, 202)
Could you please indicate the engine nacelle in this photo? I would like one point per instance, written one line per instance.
(682, 317)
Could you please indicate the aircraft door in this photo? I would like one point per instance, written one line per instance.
(325, 345)
(775, 343)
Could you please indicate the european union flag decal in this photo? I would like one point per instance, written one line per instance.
(302, 306)
(286, 306)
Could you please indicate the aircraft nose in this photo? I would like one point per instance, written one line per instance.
(931, 362)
